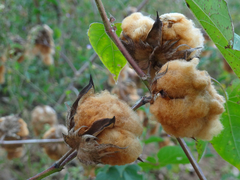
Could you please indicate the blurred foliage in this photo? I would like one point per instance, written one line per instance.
(32, 83)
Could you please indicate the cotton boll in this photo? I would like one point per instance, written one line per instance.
(103, 129)
(55, 150)
(188, 104)
(42, 115)
(177, 26)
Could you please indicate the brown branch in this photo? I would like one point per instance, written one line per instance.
(110, 31)
(191, 159)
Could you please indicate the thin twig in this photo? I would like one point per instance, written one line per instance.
(142, 101)
(77, 74)
(32, 141)
(143, 3)
(191, 159)
(69, 62)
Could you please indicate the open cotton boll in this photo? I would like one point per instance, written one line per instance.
(103, 129)
(188, 104)
(177, 26)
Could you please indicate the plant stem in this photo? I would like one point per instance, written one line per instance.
(57, 166)
(116, 40)
(191, 159)
(32, 141)
(141, 102)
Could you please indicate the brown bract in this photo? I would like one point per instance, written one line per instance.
(103, 129)
(151, 45)
(42, 115)
(13, 128)
(55, 150)
(187, 104)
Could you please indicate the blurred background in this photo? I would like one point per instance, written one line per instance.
(31, 76)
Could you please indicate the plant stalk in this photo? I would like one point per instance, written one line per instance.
(111, 33)
(191, 159)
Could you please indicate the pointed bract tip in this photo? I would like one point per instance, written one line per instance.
(91, 81)
(157, 18)
(140, 159)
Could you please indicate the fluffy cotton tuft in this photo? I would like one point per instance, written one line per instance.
(125, 132)
(188, 104)
(177, 26)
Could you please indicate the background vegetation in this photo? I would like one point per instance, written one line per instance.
(32, 83)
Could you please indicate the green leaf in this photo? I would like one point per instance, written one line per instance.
(151, 159)
(153, 139)
(121, 169)
(215, 19)
(227, 144)
(107, 51)
(171, 155)
(57, 33)
(111, 174)
(126, 172)
(147, 166)
(131, 173)
(201, 147)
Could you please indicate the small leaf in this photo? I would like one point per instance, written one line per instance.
(107, 51)
(153, 139)
(227, 144)
(215, 19)
(201, 147)
(151, 159)
(171, 155)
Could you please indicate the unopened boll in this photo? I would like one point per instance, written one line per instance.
(188, 104)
